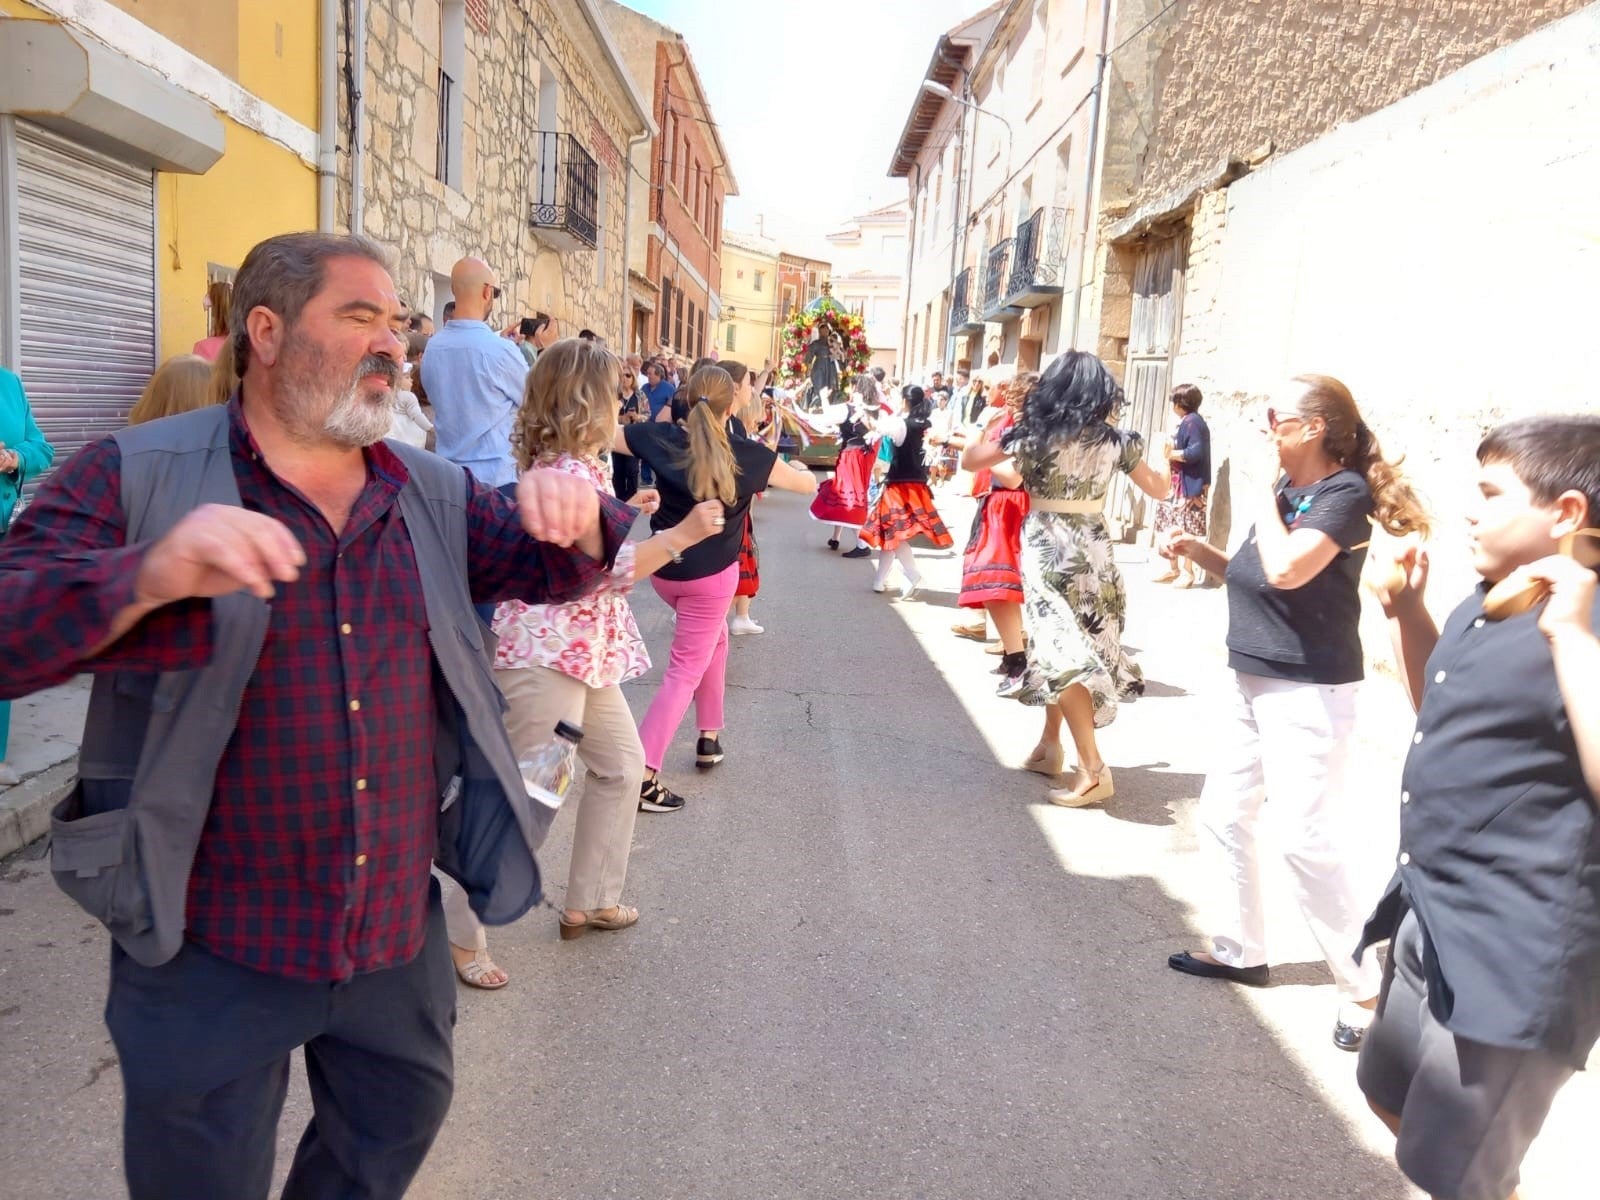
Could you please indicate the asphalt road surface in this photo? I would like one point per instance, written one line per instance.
(871, 962)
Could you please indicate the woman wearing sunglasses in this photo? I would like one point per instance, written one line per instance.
(1295, 651)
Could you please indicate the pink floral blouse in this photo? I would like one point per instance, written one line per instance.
(595, 639)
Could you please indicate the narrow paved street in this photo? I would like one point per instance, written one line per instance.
(871, 962)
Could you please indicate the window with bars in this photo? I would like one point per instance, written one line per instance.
(677, 320)
(666, 310)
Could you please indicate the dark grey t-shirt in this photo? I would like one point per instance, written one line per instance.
(1309, 634)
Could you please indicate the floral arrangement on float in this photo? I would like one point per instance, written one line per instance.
(823, 316)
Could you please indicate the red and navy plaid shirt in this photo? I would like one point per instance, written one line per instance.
(314, 859)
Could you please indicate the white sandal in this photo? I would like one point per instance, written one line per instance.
(472, 971)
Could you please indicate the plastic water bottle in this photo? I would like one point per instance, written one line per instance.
(547, 773)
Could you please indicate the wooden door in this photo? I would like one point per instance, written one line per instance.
(1152, 343)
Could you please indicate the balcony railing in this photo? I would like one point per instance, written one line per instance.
(566, 193)
(1038, 263)
(962, 317)
(997, 274)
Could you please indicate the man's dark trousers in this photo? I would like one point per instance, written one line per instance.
(205, 1045)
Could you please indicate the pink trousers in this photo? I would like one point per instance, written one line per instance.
(697, 667)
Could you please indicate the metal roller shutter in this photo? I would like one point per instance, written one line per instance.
(86, 239)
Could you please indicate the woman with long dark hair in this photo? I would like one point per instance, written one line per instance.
(905, 509)
(1294, 645)
(696, 462)
(1067, 452)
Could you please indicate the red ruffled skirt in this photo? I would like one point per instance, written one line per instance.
(749, 561)
(842, 500)
(991, 568)
(905, 511)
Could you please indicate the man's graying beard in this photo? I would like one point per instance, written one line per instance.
(355, 420)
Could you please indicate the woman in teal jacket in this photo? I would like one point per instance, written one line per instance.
(24, 454)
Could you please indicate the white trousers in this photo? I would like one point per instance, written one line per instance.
(1289, 741)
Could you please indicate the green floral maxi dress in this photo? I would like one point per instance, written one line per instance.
(1074, 604)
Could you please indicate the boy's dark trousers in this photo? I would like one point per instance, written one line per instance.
(205, 1046)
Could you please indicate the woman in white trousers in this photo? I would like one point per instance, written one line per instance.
(1294, 647)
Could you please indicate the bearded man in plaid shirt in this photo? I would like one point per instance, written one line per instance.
(328, 600)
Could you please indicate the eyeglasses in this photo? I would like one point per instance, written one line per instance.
(1274, 419)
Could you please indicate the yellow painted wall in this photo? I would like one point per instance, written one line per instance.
(278, 55)
(17, 8)
(205, 28)
(256, 189)
(755, 313)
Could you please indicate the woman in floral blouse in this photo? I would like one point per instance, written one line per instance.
(566, 662)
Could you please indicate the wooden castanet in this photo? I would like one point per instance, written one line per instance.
(1518, 592)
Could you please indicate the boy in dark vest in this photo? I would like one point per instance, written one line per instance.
(1491, 995)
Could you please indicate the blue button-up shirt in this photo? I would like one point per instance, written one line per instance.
(475, 380)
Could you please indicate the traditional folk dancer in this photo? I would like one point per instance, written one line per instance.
(905, 510)
(991, 568)
(842, 500)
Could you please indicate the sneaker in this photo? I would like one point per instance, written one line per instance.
(908, 589)
(1015, 667)
(858, 552)
(707, 753)
(740, 626)
(656, 797)
(880, 588)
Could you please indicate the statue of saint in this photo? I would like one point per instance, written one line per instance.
(824, 356)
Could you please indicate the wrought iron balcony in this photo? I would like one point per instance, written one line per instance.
(566, 193)
(996, 279)
(963, 316)
(1038, 260)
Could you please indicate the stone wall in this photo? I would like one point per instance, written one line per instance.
(1234, 77)
(429, 225)
(1425, 255)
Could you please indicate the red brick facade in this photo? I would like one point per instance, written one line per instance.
(690, 181)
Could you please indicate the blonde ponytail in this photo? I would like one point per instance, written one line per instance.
(710, 466)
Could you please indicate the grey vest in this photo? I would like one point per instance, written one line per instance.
(124, 841)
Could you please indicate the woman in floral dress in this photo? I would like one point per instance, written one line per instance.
(1067, 452)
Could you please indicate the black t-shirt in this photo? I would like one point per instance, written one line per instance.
(1309, 634)
(665, 448)
(907, 465)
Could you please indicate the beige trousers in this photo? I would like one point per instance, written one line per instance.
(614, 759)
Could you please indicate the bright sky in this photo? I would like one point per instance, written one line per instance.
(800, 84)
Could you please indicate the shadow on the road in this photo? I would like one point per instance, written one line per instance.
(1154, 689)
(1146, 793)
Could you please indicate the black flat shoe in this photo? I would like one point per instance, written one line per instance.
(1348, 1037)
(858, 552)
(1190, 965)
(833, 543)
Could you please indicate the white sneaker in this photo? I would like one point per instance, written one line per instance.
(880, 588)
(739, 626)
